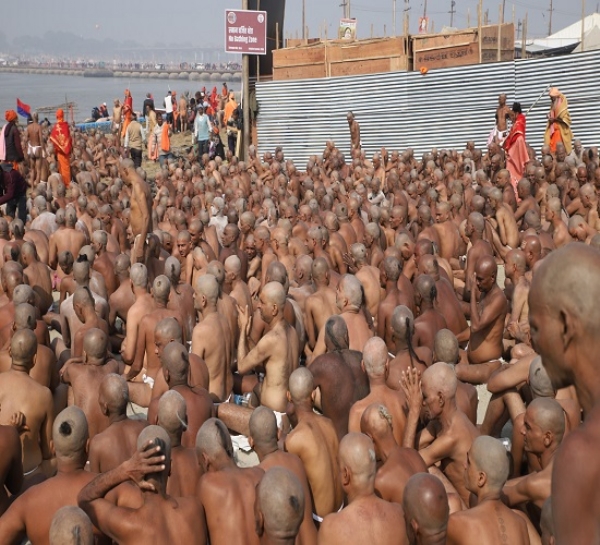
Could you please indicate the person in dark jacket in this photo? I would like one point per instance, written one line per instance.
(14, 189)
(12, 139)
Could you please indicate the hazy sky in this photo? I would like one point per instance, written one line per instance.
(201, 22)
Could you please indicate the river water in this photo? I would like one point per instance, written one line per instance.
(39, 90)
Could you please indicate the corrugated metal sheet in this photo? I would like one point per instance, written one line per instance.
(444, 109)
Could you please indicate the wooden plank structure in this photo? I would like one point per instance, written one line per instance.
(461, 48)
(340, 58)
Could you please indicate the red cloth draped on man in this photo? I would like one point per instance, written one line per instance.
(63, 145)
(517, 155)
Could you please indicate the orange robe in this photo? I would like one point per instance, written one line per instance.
(63, 145)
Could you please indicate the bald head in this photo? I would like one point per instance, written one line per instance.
(95, 344)
(207, 287)
(280, 502)
(172, 268)
(357, 456)
(139, 275)
(23, 294)
(425, 506)
(352, 290)
(376, 422)
(70, 433)
(336, 334)
(172, 413)
(161, 288)
(445, 347)
(167, 330)
(160, 438)
(176, 361)
(403, 322)
(113, 394)
(375, 357)
(549, 416)
(25, 316)
(564, 291)
(440, 378)
(301, 384)
(539, 381)
(213, 440)
(23, 347)
(71, 526)
(320, 268)
(490, 457)
(263, 427)
(273, 293)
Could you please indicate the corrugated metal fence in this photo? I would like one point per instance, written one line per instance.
(444, 109)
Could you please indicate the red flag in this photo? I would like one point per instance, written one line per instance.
(23, 109)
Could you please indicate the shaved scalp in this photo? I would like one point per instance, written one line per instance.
(95, 343)
(357, 453)
(71, 526)
(23, 346)
(441, 378)
(548, 415)
(392, 268)
(320, 268)
(161, 288)
(168, 328)
(490, 456)
(263, 426)
(376, 421)
(402, 321)
(274, 293)
(208, 286)
(176, 360)
(172, 268)
(517, 257)
(477, 221)
(276, 272)
(214, 440)
(139, 275)
(486, 264)
(161, 438)
(336, 333)
(172, 412)
(25, 316)
(70, 433)
(233, 264)
(114, 392)
(425, 285)
(352, 289)
(426, 503)
(23, 294)
(539, 381)
(445, 347)
(281, 501)
(301, 384)
(217, 270)
(375, 356)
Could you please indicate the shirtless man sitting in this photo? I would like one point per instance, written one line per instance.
(278, 512)
(485, 474)
(430, 320)
(338, 375)
(488, 312)
(375, 363)
(349, 300)
(397, 464)
(518, 320)
(263, 440)
(426, 509)
(449, 433)
(83, 306)
(37, 275)
(176, 372)
(277, 351)
(211, 339)
(315, 442)
(225, 488)
(21, 393)
(322, 304)
(543, 430)
(172, 416)
(86, 374)
(156, 516)
(118, 441)
(366, 518)
(31, 513)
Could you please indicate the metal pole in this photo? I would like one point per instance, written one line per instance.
(303, 20)
(394, 16)
(582, 25)
(452, 12)
(550, 19)
(479, 37)
(524, 40)
(500, 19)
(245, 99)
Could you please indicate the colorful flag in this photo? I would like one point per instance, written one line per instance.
(24, 110)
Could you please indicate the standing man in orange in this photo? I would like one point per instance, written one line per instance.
(559, 122)
(63, 145)
(127, 113)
